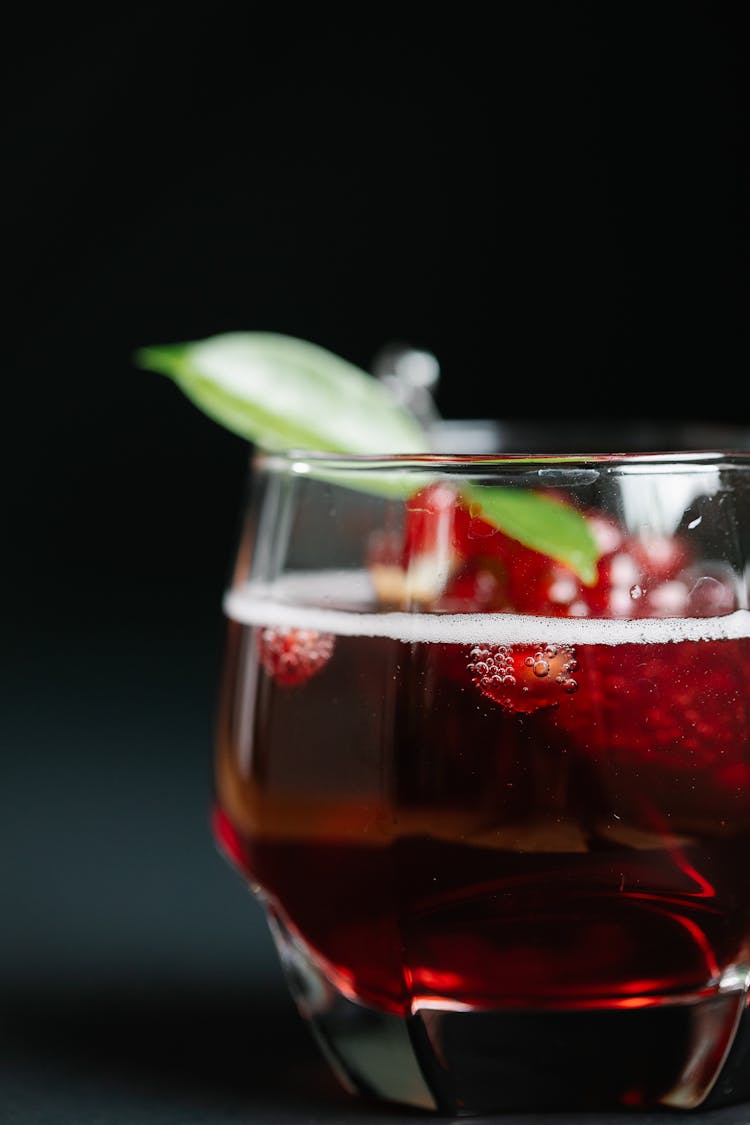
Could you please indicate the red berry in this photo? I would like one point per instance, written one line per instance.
(524, 678)
(681, 707)
(430, 518)
(635, 578)
(292, 656)
(534, 582)
(413, 569)
(454, 561)
(478, 586)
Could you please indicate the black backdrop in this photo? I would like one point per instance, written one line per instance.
(557, 207)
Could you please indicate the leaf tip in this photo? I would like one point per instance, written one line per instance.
(146, 358)
(588, 572)
(160, 357)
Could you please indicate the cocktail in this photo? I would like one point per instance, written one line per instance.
(483, 753)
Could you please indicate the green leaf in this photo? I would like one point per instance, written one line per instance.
(282, 393)
(544, 523)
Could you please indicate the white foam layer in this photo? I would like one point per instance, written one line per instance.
(261, 604)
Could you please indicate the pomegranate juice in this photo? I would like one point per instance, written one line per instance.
(497, 812)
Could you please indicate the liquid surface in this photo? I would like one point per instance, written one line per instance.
(286, 604)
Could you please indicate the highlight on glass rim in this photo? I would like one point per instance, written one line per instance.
(483, 741)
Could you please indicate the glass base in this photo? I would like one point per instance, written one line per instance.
(695, 1052)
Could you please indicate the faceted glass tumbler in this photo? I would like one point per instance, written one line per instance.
(483, 753)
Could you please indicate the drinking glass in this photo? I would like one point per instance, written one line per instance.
(496, 805)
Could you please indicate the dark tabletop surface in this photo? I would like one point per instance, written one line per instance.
(138, 983)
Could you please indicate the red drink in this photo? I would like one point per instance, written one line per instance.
(498, 814)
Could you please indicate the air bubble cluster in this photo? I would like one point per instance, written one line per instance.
(492, 666)
(523, 678)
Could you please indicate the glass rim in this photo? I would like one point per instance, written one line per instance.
(301, 461)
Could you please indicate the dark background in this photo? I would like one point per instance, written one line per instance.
(557, 208)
